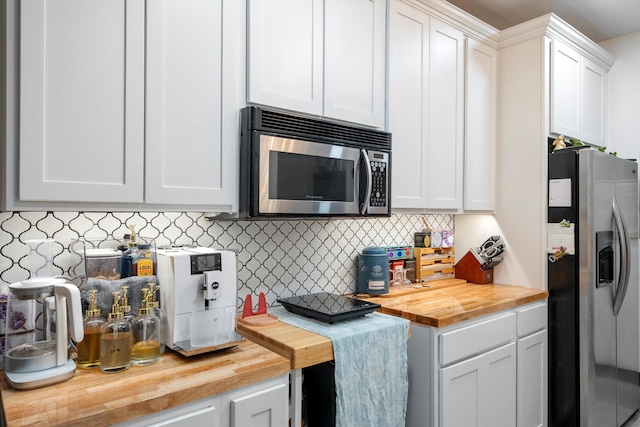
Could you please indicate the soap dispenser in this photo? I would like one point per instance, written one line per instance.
(162, 315)
(146, 333)
(115, 340)
(125, 307)
(89, 347)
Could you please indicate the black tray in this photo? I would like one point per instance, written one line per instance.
(328, 308)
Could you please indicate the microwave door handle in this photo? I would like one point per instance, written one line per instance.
(364, 206)
(625, 259)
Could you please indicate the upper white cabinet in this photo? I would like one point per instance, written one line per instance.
(193, 99)
(531, 107)
(320, 57)
(81, 103)
(427, 111)
(426, 105)
(578, 87)
(480, 127)
(125, 104)
(594, 102)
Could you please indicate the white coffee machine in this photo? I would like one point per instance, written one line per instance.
(198, 291)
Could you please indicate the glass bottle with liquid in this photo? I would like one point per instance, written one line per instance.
(162, 315)
(143, 262)
(115, 340)
(125, 307)
(146, 333)
(89, 347)
(130, 254)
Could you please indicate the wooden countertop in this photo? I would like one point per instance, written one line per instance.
(93, 398)
(301, 347)
(443, 303)
(455, 301)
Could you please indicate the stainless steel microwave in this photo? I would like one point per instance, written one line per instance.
(295, 166)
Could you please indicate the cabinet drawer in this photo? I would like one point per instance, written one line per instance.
(532, 319)
(476, 338)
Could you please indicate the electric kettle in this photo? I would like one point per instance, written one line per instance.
(37, 343)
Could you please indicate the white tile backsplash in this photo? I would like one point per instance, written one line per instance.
(280, 258)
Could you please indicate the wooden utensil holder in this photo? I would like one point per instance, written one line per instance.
(470, 269)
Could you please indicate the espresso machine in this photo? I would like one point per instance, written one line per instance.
(198, 291)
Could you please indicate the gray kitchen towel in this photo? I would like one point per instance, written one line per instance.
(371, 376)
(105, 288)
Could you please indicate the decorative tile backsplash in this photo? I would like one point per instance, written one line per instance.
(280, 258)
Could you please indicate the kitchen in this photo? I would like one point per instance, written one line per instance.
(279, 258)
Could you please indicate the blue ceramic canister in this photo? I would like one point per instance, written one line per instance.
(373, 271)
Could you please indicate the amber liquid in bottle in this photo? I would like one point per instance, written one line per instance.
(145, 350)
(89, 348)
(115, 350)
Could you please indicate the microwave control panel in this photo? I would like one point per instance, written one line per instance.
(379, 172)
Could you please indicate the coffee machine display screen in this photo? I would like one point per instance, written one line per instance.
(205, 262)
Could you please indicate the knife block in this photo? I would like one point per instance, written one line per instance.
(470, 269)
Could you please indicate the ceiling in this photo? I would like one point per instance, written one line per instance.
(599, 20)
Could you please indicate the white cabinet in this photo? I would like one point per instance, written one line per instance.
(320, 57)
(532, 366)
(193, 98)
(263, 404)
(480, 127)
(125, 104)
(81, 125)
(485, 386)
(566, 68)
(594, 99)
(524, 126)
(426, 106)
(578, 88)
(263, 408)
(488, 371)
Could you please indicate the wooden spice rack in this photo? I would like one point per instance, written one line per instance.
(434, 263)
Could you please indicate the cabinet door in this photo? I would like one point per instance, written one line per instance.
(498, 397)
(566, 88)
(480, 391)
(354, 60)
(264, 408)
(460, 393)
(408, 104)
(81, 100)
(446, 121)
(480, 127)
(594, 79)
(532, 380)
(192, 128)
(285, 54)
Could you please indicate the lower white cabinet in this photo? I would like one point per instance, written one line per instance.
(480, 391)
(488, 371)
(263, 404)
(263, 408)
(532, 386)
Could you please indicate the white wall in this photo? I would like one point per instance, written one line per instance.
(623, 133)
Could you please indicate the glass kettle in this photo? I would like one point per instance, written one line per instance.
(36, 343)
(36, 348)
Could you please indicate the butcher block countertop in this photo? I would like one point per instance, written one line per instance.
(453, 301)
(93, 398)
(302, 348)
(443, 303)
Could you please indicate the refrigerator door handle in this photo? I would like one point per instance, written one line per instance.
(625, 260)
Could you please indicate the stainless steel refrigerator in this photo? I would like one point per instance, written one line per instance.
(594, 336)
